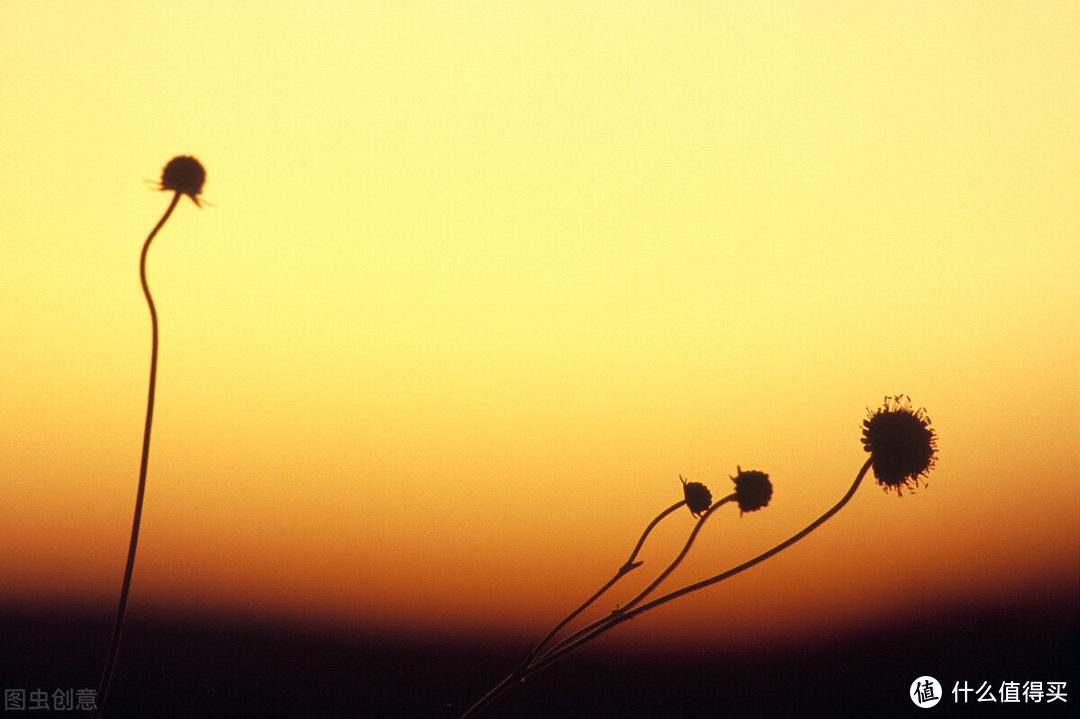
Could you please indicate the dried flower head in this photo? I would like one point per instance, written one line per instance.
(901, 443)
(753, 490)
(184, 174)
(698, 497)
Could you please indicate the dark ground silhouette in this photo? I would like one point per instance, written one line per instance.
(199, 666)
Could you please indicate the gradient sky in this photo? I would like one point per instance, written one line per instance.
(482, 279)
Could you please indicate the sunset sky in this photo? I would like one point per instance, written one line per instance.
(480, 280)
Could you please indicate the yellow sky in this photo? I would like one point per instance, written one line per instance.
(482, 279)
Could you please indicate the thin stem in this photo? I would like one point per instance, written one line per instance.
(620, 617)
(518, 672)
(645, 592)
(625, 568)
(118, 625)
(641, 542)
(686, 548)
(510, 680)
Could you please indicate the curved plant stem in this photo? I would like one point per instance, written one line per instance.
(534, 664)
(526, 668)
(624, 569)
(517, 674)
(619, 617)
(643, 593)
(686, 548)
(118, 625)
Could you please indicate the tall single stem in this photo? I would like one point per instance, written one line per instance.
(118, 625)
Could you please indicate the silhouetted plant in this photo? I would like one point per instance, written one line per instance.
(182, 176)
(696, 497)
(903, 449)
(901, 443)
(752, 491)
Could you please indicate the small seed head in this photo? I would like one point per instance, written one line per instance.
(698, 497)
(186, 175)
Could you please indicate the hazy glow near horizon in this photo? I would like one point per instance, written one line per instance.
(481, 280)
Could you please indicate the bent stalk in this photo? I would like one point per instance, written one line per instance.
(118, 625)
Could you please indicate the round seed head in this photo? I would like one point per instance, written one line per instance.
(186, 175)
(753, 490)
(901, 443)
(698, 497)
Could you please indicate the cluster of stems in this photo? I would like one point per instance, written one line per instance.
(548, 650)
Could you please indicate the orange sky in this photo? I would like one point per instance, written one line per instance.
(478, 286)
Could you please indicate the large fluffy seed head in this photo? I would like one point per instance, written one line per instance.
(901, 443)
